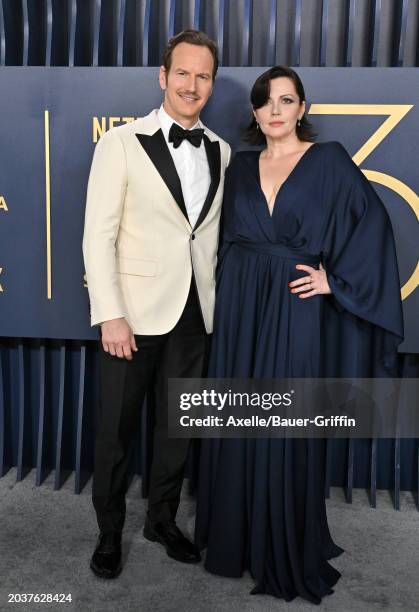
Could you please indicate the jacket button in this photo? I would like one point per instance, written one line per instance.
(193, 237)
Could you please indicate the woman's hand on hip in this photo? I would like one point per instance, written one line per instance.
(315, 283)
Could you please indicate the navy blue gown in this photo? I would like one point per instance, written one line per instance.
(261, 504)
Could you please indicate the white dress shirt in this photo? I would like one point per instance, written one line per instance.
(192, 167)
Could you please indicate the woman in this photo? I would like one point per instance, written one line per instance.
(308, 286)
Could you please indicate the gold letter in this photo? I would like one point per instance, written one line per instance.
(3, 204)
(113, 120)
(98, 129)
(128, 119)
(84, 280)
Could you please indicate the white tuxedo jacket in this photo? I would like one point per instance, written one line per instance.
(138, 245)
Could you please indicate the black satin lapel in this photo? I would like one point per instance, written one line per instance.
(214, 162)
(156, 148)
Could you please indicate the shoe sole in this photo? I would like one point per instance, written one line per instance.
(154, 538)
(105, 575)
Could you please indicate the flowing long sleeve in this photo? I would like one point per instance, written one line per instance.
(365, 313)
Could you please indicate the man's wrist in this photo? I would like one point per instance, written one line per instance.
(109, 320)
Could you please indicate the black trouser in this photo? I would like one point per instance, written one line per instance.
(181, 353)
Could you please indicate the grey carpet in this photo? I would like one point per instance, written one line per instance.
(47, 538)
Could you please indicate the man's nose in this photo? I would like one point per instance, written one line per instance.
(191, 83)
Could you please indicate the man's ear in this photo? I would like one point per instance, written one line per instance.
(162, 77)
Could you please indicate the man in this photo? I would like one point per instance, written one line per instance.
(150, 240)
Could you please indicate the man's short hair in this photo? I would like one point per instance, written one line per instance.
(192, 37)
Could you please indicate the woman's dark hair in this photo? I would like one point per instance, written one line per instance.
(259, 96)
(192, 37)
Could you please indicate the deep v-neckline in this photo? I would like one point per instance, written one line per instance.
(283, 183)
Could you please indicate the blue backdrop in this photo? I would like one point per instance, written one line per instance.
(48, 388)
(45, 159)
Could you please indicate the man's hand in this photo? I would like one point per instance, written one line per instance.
(118, 339)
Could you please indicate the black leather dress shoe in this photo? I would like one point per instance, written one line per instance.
(106, 560)
(177, 546)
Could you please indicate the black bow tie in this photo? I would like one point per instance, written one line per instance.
(177, 134)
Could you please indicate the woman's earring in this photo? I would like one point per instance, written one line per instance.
(257, 125)
(299, 122)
